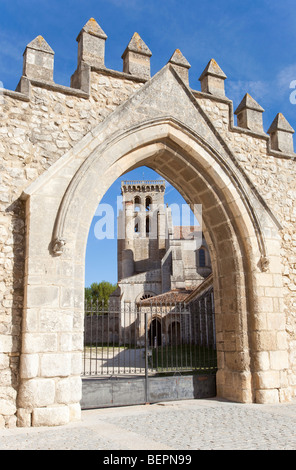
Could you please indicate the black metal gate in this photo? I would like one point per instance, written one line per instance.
(148, 352)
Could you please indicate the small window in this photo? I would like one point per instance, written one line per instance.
(146, 296)
(148, 203)
(147, 225)
(202, 258)
(137, 203)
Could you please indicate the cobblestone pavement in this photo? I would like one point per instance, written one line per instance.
(184, 426)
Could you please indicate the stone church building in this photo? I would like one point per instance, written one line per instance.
(154, 256)
(61, 148)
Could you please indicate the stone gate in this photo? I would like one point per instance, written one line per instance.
(61, 148)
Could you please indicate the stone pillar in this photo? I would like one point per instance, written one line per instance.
(128, 254)
(161, 224)
(91, 44)
(136, 58)
(38, 60)
(281, 135)
(212, 79)
(181, 65)
(249, 114)
(91, 52)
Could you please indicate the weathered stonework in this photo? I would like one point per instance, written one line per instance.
(60, 150)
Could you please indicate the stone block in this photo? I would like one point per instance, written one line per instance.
(24, 417)
(51, 416)
(29, 366)
(267, 380)
(279, 360)
(267, 397)
(76, 363)
(42, 296)
(261, 361)
(55, 365)
(39, 342)
(69, 390)
(36, 392)
(5, 343)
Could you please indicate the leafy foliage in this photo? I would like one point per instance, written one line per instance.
(98, 294)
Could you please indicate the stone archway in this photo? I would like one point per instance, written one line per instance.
(239, 228)
(155, 332)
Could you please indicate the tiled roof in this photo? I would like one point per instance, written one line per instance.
(173, 296)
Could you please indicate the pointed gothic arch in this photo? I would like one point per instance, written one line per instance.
(204, 173)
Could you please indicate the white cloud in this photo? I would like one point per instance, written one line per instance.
(258, 89)
(285, 77)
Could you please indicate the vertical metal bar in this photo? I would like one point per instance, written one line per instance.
(172, 339)
(151, 334)
(189, 306)
(207, 332)
(91, 334)
(156, 337)
(85, 333)
(113, 344)
(180, 338)
(214, 324)
(139, 317)
(203, 331)
(166, 336)
(151, 337)
(108, 329)
(102, 342)
(161, 335)
(135, 339)
(146, 358)
(194, 334)
(176, 356)
(129, 338)
(97, 328)
(122, 318)
(200, 334)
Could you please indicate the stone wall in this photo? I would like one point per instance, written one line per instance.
(41, 121)
(37, 127)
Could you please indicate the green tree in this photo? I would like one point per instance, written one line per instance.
(97, 295)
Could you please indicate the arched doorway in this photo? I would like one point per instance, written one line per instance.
(201, 167)
(155, 333)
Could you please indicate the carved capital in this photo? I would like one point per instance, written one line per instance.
(58, 245)
(264, 264)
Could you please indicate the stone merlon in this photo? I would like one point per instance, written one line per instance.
(181, 65)
(38, 60)
(249, 114)
(136, 58)
(281, 135)
(212, 79)
(91, 44)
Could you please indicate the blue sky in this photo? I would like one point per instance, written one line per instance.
(253, 41)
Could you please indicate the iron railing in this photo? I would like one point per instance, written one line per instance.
(149, 338)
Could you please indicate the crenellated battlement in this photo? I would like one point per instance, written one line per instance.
(38, 70)
(63, 147)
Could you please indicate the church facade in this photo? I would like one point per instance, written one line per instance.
(154, 256)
